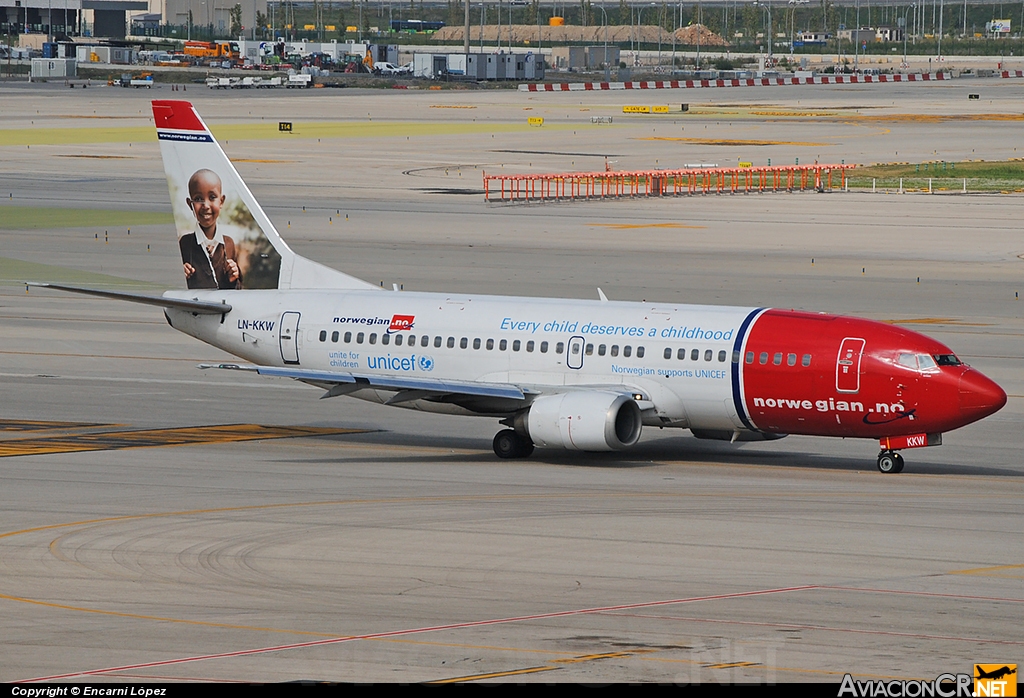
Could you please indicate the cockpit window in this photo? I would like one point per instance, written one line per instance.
(920, 362)
(947, 360)
(908, 360)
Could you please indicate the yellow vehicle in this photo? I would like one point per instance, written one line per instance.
(212, 49)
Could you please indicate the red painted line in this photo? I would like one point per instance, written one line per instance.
(414, 631)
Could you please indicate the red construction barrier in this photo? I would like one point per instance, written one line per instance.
(606, 185)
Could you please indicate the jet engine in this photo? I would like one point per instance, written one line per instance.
(584, 420)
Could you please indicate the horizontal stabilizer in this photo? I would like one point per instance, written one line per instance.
(194, 306)
(431, 386)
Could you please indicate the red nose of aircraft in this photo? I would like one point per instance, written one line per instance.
(979, 396)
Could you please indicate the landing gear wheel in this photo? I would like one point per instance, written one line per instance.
(890, 462)
(509, 444)
(899, 463)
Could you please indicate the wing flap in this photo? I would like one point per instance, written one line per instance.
(426, 386)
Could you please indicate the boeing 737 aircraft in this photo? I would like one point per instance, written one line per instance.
(569, 374)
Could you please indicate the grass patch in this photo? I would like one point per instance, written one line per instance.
(1006, 175)
(15, 271)
(265, 131)
(35, 218)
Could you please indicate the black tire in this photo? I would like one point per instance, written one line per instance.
(887, 462)
(899, 463)
(506, 444)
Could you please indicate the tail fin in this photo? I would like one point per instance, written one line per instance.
(212, 206)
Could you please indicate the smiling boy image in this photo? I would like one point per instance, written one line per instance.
(209, 257)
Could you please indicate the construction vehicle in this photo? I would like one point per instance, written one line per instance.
(212, 49)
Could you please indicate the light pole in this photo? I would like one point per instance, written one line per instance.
(605, 20)
(792, 23)
(911, 5)
(639, 15)
(767, 7)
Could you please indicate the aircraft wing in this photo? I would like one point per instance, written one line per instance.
(342, 383)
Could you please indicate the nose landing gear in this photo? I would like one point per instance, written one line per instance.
(890, 462)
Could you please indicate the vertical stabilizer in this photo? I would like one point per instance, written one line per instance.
(225, 238)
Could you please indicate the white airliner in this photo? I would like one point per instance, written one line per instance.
(569, 374)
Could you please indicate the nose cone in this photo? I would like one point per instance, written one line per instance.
(979, 396)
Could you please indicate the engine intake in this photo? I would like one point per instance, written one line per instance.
(584, 420)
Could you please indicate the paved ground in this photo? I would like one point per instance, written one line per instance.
(382, 545)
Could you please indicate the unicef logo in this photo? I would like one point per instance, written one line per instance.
(426, 363)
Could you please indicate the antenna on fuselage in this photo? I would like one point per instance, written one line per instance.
(600, 294)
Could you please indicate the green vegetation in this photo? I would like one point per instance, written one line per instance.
(15, 271)
(1005, 175)
(33, 218)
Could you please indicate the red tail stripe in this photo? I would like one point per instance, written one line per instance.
(173, 114)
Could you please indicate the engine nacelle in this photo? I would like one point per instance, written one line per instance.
(584, 420)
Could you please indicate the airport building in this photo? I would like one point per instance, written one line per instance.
(211, 13)
(106, 18)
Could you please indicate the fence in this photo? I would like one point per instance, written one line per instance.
(607, 185)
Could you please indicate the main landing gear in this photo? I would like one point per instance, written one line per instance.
(509, 444)
(890, 462)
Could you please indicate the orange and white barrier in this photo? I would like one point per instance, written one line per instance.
(737, 82)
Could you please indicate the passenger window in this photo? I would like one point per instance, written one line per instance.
(516, 344)
(590, 350)
(791, 360)
(640, 351)
(560, 347)
(575, 349)
(334, 337)
(908, 360)
(627, 350)
(602, 349)
(437, 342)
(373, 338)
(323, 335)
(615, 350)
(399, 339)
(503, 345)
(750, 357)
(529, 345)
(695, 355)
(543, 347)
(681, 354)
(668, 353)
(476, 343)
(348, 337)
(925, 362)
(763, 359)
(490, 344)
(777, 359)
(359, 338)
(463, 343)
(385, 339)
(721, 356)
(451, 342)
(708, 354)
(412, 340)
(806, 360)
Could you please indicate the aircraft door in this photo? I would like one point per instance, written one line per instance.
(289, 337)
(848, 365)
(574, 353)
